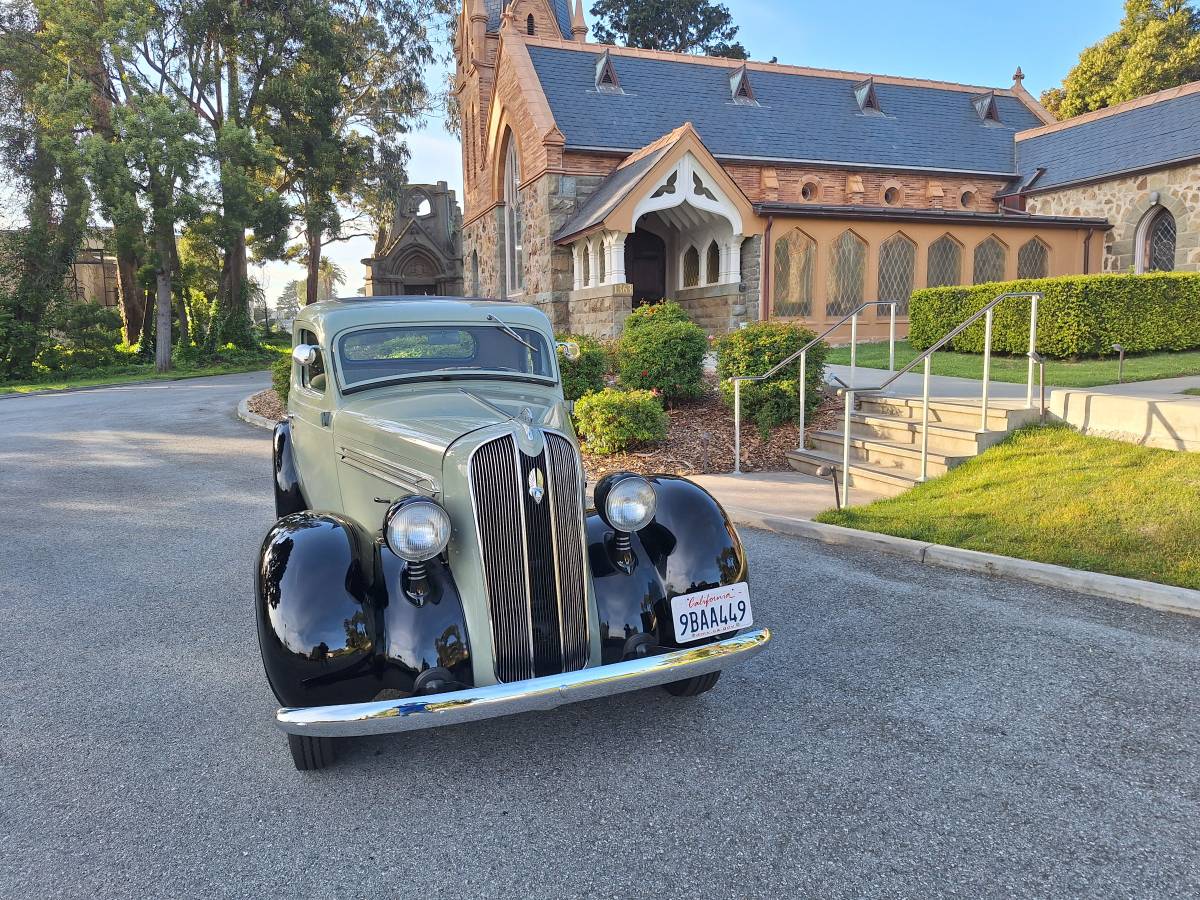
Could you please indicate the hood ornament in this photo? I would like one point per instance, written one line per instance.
(537, 484)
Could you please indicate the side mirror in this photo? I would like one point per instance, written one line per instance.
(305, 354)
(569, 349)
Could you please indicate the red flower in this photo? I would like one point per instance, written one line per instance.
(645, 372)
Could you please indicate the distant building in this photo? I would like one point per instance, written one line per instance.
(93, 276)
(597, 178)
(421, 252)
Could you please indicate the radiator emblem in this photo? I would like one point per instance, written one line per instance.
(537, 485)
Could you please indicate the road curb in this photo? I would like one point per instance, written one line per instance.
(1113, 587)
(253, 418)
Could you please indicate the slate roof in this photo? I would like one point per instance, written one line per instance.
(562, 12)
(609, 194)
(1139, 138)
(802, 117)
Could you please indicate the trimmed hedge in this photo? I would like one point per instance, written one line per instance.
(753, 350)
(586, 374)
(611, 421)
(667, 357)
(1079, 315)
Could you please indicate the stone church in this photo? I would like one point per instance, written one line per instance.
(597, 178)
(421, 252)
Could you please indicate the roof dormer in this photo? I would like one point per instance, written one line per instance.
(606, 75)
(985, 106)
(868, 101)
(740, 89)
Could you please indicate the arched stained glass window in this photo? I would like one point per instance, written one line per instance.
(712, 263)
(1033, 259)
(989, 261)
(514, 221)
(897, 268)
(795, 260)
(691, 267)
(847, 273)
(1159, 250)
(945, 262)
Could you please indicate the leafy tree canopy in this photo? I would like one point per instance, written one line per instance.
(679, 26)
(1156, 47)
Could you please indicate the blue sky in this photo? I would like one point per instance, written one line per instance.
(952, 40)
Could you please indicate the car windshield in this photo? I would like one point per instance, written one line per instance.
(414, 351)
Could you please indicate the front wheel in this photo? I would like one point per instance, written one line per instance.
(311, 753)
(691, 687)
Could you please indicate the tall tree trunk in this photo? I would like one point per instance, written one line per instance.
(162, 298)
(314, 265)
(132, 296)
(181, 311)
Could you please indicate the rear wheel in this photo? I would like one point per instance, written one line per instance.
(311, 753)
(691, 687)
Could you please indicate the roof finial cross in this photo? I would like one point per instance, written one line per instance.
(1018, 76)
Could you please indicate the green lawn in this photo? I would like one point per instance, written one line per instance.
(1195, 392)
(241, 361)
(1084, 373)
(1052, 495)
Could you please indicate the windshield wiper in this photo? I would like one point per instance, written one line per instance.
(510, 332)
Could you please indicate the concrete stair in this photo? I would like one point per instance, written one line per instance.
(885, 439)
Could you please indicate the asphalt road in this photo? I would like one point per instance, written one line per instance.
(909, 733)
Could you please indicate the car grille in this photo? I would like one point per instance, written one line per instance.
(533, 556)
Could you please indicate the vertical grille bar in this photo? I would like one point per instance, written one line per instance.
(566, 496)
(543, 587)
(534, 561)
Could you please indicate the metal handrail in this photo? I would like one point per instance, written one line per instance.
(802, 355)
(849, 390)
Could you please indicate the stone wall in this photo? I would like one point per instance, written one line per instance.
(546, 203)
(1124, 202)
(600, 311)
(723, 307)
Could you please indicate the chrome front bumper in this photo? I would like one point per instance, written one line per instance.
(472, 704)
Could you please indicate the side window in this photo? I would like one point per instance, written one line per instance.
(313, 376)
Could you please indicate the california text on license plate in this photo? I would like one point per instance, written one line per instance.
(714, 611)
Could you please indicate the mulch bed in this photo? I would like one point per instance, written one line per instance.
(699, 440)
(267, 404)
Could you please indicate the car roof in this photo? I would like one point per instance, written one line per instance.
(331, 316)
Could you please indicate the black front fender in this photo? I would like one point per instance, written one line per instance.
(288, 497)
(689, 546)
(335, 624)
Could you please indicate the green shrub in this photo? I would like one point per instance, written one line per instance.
(655, 314)
(281, 376)
(586, 374)
(1079, 315)
(611, 421)
(755, 349)
(667, 357)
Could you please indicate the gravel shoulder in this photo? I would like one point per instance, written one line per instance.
(909, 732)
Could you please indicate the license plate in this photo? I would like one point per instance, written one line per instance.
(713, 611)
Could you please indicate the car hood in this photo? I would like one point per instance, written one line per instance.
(416, 424)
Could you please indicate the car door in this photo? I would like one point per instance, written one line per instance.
(310, 405)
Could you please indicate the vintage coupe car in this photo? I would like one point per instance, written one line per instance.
(434, 561)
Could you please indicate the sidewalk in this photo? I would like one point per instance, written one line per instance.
(777, 494)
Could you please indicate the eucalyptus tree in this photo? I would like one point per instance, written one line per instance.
(40, 150)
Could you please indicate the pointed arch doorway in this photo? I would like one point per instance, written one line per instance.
(646, 266)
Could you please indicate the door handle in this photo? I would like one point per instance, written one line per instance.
(326, 418)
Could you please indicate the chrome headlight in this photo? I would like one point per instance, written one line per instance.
(629, 503)
(416, 529)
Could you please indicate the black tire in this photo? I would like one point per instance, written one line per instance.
(691, 687)
(312, 753)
